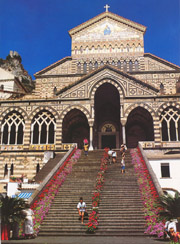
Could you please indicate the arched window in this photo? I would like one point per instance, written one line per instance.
(102, 63)
(75, 50)
(119, 64)
(37, 168)
(113, 63)
(121, 48)
(139, 48)
(5, 170)
(12, 169)
(12, 129)
(79, 67)
(170, 124)
(124, 66)
(136, 64)
(96, 65)
(43, 128)
(133, 47)
(127, 47)
(130, 66)
(85, 68)
(81, 49)
(110, 48)
(2, 87)
(90, 66)
(87, 50)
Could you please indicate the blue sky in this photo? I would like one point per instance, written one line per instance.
(38, 29)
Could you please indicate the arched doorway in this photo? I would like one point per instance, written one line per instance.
(139, 127)
(107, 117)
(75, 127)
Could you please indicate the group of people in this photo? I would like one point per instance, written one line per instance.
(170, 231)
(113, 157)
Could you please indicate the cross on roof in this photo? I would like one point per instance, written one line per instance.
(106, 7)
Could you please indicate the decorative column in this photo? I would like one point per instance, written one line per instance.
(91, 135)
(123, 122)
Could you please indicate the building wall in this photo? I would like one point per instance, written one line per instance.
(173, 182)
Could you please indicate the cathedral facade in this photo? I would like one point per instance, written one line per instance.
(108, 91)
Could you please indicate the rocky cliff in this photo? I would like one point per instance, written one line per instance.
(13, 64)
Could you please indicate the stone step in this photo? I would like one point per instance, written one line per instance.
(120, 208)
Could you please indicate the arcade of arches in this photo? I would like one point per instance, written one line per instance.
(106, 131)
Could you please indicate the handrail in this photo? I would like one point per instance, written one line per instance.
(151, 172)
(50, 175)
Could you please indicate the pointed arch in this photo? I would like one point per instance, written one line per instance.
(43, 128)
(12, 129)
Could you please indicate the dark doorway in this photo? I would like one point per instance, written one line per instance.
(108, 141)
(75, 127)
(107, 110)
(139, 127)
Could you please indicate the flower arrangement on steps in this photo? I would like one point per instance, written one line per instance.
(92, 224)
(149, 195)
(43, 203)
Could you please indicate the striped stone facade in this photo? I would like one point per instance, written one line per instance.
(107, 51)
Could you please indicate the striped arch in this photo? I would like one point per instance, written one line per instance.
(81, 108)
(48, 108)
(169, 121)
(13, 126)
(43, 125)
(139, 124)
(103, 81)
(166, 105)
(17, 109)
(145, 106)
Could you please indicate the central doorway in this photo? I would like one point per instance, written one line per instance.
(108, 141)
(108, 136)
(107, 117)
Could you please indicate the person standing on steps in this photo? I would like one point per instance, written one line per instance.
(123, 150)
(28, 223)
(86, 146)
(81, 209)
(123, 164)
(112, 156)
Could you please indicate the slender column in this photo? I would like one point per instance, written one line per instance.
(123, 122)
(124, 134)
(91, 138)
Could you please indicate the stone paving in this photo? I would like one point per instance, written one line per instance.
(90, 240)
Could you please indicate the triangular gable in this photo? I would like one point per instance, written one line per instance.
(106, 15)
(159, 63)
(52, 69)
(130, 86)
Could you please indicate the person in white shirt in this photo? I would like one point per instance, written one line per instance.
(112, 154)
(169, 225)
(81, 209)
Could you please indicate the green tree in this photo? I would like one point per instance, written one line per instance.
(11, 209)
(170, 206)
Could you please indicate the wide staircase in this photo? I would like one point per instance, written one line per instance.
(63, 216)
(121, 205)
(120, 208)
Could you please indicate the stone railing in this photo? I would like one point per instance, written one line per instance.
(151, 172)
